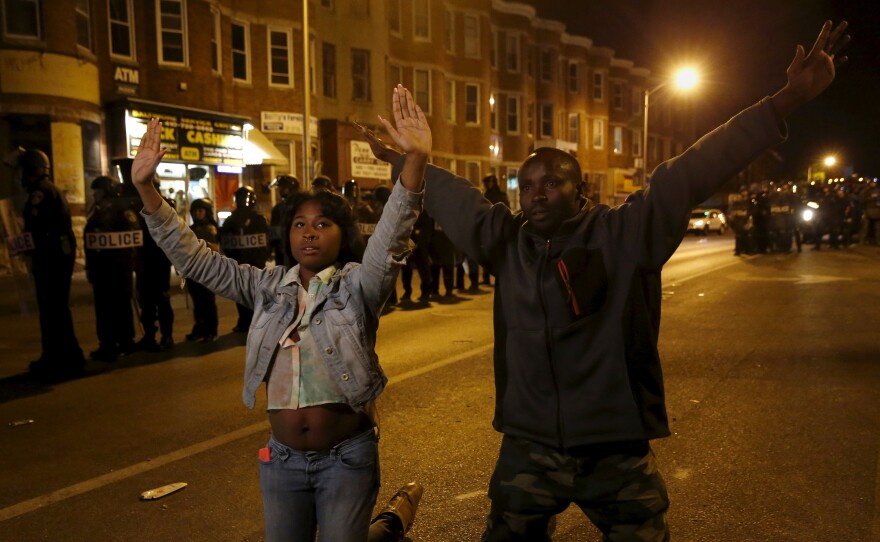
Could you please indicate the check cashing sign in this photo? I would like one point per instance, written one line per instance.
(113, 239)
(187, 135)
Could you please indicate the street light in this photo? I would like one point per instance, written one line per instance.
(684, 79)
(829, 161)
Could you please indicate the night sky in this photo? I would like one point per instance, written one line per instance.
(743, 48)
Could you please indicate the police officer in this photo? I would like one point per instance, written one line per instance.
(870, 226)
(287, 186)
(243, 238)
(366, 216)
(47, 226)
(323, 182)
(153, 284)
(761, 221)
(782, 209)
(112, 234)
(739, 212)
(204, 301)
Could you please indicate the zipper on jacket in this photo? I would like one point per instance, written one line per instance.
(548, 343)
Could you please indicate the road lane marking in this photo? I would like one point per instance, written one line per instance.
(798, 279)
(471, 495)
(139, 468)
(677, 281)
(74, 490)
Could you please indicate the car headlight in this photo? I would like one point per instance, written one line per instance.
(698, 223)
(807, 215)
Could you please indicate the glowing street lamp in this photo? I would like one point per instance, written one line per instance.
(684, 79)
(828, 161)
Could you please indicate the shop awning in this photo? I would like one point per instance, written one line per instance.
(259, 150)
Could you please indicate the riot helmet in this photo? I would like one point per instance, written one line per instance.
(34, 163)
(322, 182)
(245, 197)
(103, 187)
(104, 183)
(381, 194)
(350, 190)
(286, 182)
(201, 203)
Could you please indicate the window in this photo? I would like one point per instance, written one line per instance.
(422, 89)
(546, 120)
(573, 80)
(450, 100)
(422, 19)
(598, 86)
(449, 37)
(360, 75)
(638, 101)
(530, 119)
(394, 16)
(240, 54)
(493, 116)
(471, 36)
(280, 58)
(546, 65)
(618, 139)
(574, 127)
(637, 142)
(513, 114)
(598, 133)
(617, 95)
(119, 15)
(327, 4)
(328, 69)
(473, 172)
(360, 8)
(216, 66)
(493, 53)
(172, 31)
(512, 53)
(471, 103)
(83, 25)
(21, 18)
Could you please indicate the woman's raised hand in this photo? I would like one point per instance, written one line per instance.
(410, 131)
(148, 155)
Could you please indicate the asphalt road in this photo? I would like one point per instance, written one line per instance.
(773, 391)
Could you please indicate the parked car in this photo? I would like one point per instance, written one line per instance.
(704, 221)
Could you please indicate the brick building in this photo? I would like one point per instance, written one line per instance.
(80, 78)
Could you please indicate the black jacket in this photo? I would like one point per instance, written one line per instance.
(568, 380)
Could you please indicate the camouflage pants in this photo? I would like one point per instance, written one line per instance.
(617, 486)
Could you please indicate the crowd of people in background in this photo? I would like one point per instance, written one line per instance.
(131, 277)
(778, 219)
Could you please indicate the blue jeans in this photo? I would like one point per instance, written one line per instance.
(332, 492)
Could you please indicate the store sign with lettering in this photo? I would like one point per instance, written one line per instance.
(189, 136)
(364, 164)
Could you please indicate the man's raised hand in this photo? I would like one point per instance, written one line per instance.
(380, 149)
(809, 74)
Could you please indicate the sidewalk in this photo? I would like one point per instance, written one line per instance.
(20, 326)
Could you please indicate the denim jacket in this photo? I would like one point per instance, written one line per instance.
(346, 314)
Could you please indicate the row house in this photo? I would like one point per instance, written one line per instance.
(234, 82)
